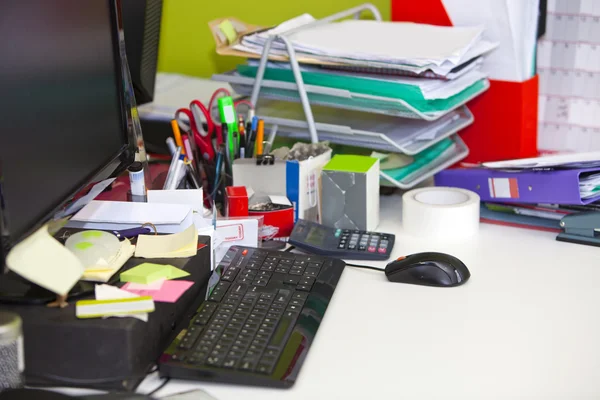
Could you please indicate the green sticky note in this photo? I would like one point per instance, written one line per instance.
(83, 245)
(175, 272)
(228, 30)
(92, 234)
(147, 273)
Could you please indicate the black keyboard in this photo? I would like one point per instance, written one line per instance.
(261, 315)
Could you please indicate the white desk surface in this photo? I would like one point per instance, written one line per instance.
(526, 325)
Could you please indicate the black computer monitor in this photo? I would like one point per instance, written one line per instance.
(63, 110)
(141, 23)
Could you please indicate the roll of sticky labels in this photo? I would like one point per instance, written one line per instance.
(440, 213)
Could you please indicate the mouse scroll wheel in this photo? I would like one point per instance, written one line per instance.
(400, 258)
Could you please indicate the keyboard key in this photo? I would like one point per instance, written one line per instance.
(302, 296)
(263, 368)
(307, 281)
(268, 296)
(286, 262)
(260, 282)
(382, 250)
(214, 361)
(362, 247)
(371, 249)
(247, 365)
(313, 269)
(296, 272)
(291, 280)
(284, 329)
(304, 288)
(239, 289)
(296, 302)
(231, 363)
(293, 307)
(282, 270)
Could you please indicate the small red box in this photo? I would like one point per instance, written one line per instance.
(237, 201)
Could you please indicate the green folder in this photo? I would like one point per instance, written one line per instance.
(374, 87)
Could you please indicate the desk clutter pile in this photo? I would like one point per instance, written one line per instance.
(342, 82)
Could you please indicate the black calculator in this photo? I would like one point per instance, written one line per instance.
(348, 244)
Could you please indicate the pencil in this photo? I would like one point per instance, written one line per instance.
(177, 135)
(260, 137)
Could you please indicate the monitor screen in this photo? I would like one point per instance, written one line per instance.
(61, 118)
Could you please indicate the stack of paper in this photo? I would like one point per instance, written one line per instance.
(416, 47)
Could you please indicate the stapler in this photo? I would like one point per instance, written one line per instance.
(581, 228)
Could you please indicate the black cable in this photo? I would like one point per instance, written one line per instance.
(365, 267)
(292, 247)
(162, 385)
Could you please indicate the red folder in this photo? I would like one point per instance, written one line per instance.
(505, 125)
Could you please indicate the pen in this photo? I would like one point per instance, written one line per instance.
(272, 135)
(178, 175)
(131, 233)
(172, 168)
(188, 148)
(171, 145)
(260, 137)
(177, 134)
(251, 137)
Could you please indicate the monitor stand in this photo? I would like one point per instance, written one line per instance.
(16, 290)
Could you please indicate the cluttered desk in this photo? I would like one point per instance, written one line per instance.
(312, 226)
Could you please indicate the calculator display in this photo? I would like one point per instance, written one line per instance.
(316, 235)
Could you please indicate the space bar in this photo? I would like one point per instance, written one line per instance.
(283, 331)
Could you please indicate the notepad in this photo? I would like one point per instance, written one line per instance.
(43, 260)
(108, 292)
(147, 273)
(177, 245)
(101, 308)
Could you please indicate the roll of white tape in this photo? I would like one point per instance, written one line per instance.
(440, 213)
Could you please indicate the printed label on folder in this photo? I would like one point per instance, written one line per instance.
(504, 188)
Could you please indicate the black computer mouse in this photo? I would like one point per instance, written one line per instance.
(429, 269)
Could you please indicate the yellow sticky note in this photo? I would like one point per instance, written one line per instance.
(43, 260)
(177, 245)
(228, 30)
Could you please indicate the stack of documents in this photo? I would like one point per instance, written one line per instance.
(416, 48)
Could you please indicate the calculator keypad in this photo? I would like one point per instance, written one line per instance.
(363, 241)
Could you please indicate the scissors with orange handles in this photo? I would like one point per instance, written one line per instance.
(191, 120)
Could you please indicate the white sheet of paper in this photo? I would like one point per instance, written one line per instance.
(108, 292)
(117, 215)
(281, 200)
(43, 260)
(189, 197)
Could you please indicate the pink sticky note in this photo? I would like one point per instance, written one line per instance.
(169, 292)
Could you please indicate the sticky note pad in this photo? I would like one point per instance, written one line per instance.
(228, 30)
(101, 308)
(177, 245)
(175, 272)
(169, 292)
(147, 273)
